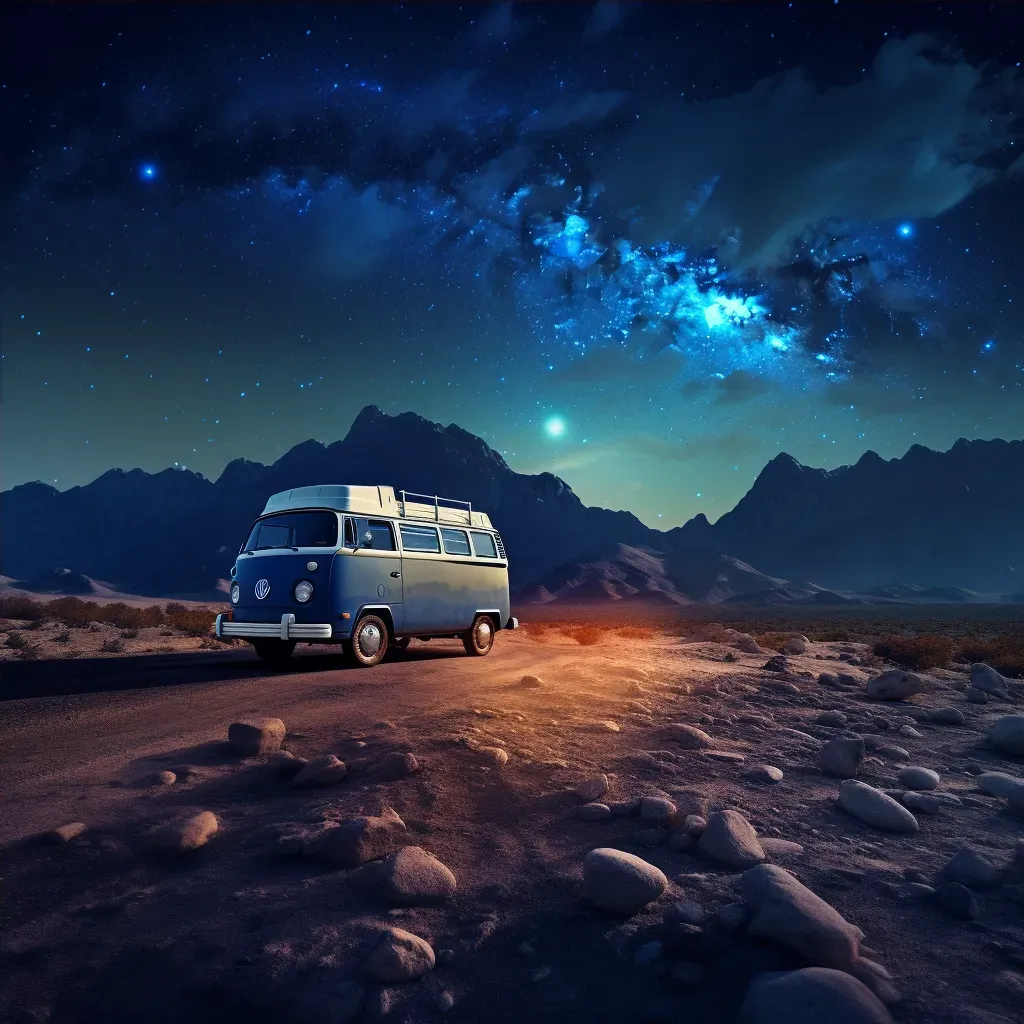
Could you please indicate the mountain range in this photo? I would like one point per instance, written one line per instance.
(933, 519)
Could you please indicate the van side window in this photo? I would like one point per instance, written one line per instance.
(483, 545)
(455, 542)
(419, 538)
(382, 537)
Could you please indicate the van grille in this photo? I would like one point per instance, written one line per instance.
(501, 547)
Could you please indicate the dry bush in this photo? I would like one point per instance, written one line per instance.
(584, 635)
(15, 641)
(72, 611)
(126, 616)
(194, 621)
(772, 641)
(915, 652)
(637, 632)
(114, 646)
(1005, 652)
(14, 606)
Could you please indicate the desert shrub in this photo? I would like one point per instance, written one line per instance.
(14, 606)
(1004, 652)
(128, 616)
(773, 641)
(194, 621)
(63, 637)
(637, 632)
(15, 641)
(584, 635)
(113, 646)
(129, 634)
(29, 652)
(72, 611)
(915, 652)
(93, 628)
(829, 636)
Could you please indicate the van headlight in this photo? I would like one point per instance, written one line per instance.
(235, 593)
(303, 591)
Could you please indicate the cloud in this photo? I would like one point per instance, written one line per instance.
(731, 446)
(738, 387)
(587, 107)
(909, 140)
(622, 365)
(604, 16)
(890, 400)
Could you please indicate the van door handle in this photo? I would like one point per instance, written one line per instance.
(395, 575)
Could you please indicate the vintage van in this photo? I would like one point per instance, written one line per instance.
(360, 567)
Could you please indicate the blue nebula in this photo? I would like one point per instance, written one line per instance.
(148, 172)
(988, 346)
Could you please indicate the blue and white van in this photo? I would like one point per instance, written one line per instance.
(360, 567)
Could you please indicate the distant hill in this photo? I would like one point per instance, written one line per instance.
(937, 519)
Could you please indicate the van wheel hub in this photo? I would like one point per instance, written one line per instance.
(369, 640)
(483, 633)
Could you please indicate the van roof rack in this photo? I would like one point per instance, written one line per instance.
(436, 508)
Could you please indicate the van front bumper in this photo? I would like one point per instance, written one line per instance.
(513, 623)
(286, 629)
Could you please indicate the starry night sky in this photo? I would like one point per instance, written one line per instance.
(646, 248)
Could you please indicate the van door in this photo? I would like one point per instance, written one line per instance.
(426, 585)
(373, 570)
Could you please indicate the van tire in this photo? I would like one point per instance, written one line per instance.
(480, 638)
(369, 630)
(274, 652)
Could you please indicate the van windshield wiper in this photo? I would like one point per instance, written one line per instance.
(276, 547)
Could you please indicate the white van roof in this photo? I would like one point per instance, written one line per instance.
(379, 501)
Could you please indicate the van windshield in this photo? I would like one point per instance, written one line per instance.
(294, 530)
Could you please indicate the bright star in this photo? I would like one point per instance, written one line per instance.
(148, 172)
(555, 426)
(905, 230)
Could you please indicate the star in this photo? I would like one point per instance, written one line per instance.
(148, 172)
(905, 230)
(554, 426)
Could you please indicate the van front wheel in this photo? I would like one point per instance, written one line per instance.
(369, 641)
(274, 652)
(480, 638)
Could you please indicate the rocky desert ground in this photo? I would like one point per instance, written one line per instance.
(647, 827)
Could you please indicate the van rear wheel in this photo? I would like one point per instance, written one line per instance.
(480, 638)
(369, 641)
(274, 652)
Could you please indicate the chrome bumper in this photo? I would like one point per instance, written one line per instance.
(286, 629)
(513, 623)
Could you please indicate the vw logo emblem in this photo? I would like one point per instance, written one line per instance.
(262, 589)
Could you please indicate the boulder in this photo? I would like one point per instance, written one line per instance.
(795, 645)
(989, 680)
(968, 867)
(999, 784)
(493, 755)
(730, 839)
(399, 956)
(254, 736)
(689, 737)
(412, 877)
(814, 995)
(779, 849)
(593, 812)
(620, 882)
(785, 911)
(321, 771)
(834, 719)
(592, 789)
(1007, 735)
(957, 901)
(530, 682)
(397, 765)
(357, 840)
(285, 763)
(976, 696)
(895, 685)
(875, 808)
(765, 773)
(918, 778)
(947, 716)
(658, 811)
(841, 756)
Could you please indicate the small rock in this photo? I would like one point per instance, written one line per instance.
(357, 840)
(841, 757)
(787, 912)
(687, 912)
(163, 778)
(976, 696)
(731, 840)
(910, 732)
(444, 1001)
(893, 753)
(813, 995)
(829, 680)
(999, 784)
(495, 755)
(397, 765)
(65, 833)
(187, 835)
(531, 682)
(875, 808)
(922, 803)
(654, 836)
(604, 726)
(731, 916)
(647, 954)
(399, 956)
(620, 882)
(918, 778)
(795, 645)
(765, 773)
(255, 736)
(947, 716)
(968, 867)
(592, 789)
(777, 664)
(689, 737)
(680, 841)
(895, 685)
(658, 811)
(957, 900)
(1007, 735)
(412, 877)
(593, 812)
(286, 763)
(836, 719)
(694, 825)
(321, 771)
(623, 808)
(989, 680)
(780, 848)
